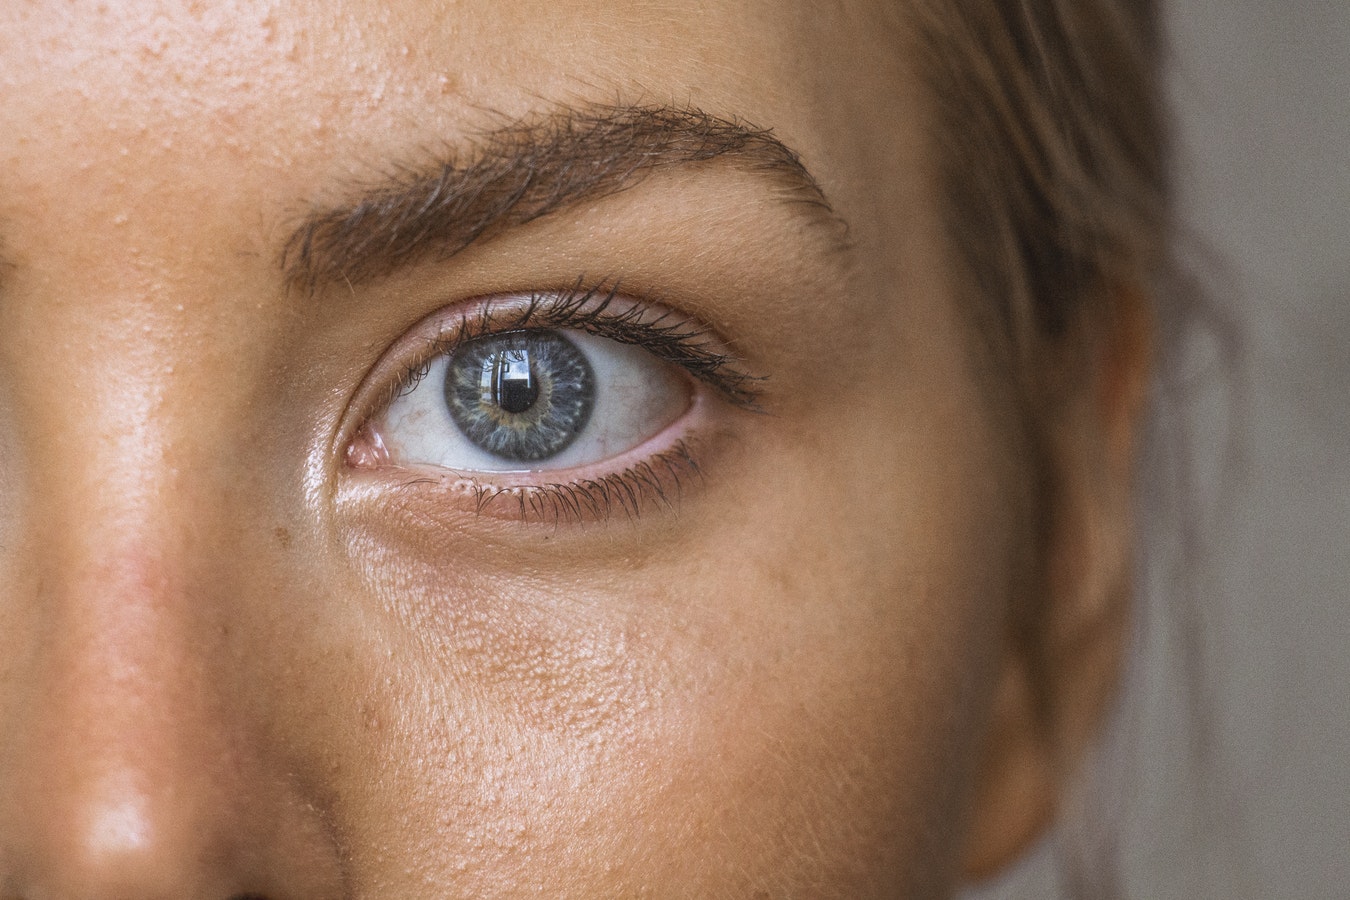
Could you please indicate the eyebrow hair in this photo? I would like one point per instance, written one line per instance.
(522, 172)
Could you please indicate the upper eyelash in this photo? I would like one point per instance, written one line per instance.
(590, 309)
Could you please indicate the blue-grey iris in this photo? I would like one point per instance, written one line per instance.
(523, 396)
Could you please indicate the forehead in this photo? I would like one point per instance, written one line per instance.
(281, 84)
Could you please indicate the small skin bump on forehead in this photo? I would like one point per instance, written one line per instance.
(289, 90)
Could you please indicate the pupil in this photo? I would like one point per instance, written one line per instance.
(512, 385)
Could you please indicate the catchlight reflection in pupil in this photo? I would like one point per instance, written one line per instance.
(522, 396)
(508, 381)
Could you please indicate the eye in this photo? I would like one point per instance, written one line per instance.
(531, 400)
(553, 406)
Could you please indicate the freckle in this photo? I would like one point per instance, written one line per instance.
(283, 536)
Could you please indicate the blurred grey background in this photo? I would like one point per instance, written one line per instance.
(1234, 752)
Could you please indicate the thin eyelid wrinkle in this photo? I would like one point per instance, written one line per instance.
(522, 172)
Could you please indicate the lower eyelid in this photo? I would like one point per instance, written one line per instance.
(658, 475)
(657, 481)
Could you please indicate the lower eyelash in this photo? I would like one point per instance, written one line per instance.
(655, 482)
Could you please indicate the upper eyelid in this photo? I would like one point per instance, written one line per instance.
(605, 311)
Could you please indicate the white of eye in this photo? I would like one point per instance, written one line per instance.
(636, 395)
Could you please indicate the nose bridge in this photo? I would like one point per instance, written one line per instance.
(123, 651)
(116, 748)
(134, 759)
(120, 664)
(134, 762)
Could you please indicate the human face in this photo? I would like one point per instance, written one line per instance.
(261, 636)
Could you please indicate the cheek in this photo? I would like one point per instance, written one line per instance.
(781, 691)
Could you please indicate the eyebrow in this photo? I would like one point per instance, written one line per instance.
(525, 171)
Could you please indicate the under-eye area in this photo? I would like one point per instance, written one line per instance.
(555, 406)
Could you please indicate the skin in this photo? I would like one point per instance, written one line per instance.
(231, 664)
